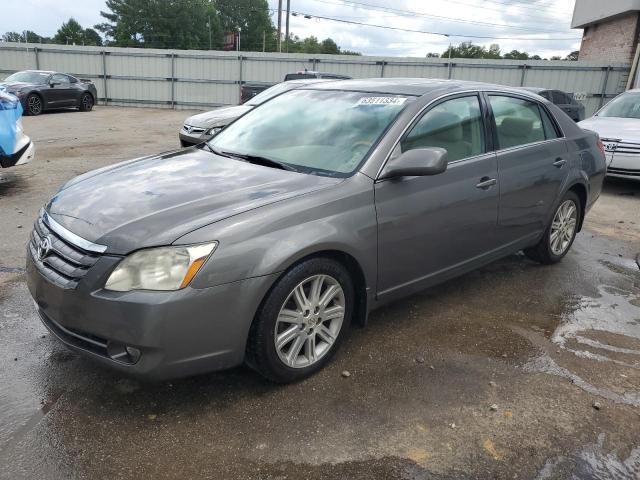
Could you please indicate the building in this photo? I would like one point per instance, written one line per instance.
(611, 29)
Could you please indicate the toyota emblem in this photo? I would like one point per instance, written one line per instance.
(44, 248)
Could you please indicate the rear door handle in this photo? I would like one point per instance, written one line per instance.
(559, 162)
(486, 183)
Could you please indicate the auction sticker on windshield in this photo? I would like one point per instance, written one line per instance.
(381, 101)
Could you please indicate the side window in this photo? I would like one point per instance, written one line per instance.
(455, 125)
(59, 78)
(518, 121)
(559, 98)
(546, 94)
(550, 130)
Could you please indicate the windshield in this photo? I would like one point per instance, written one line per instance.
(28, 77)
(315, 131)
(272, 92)
(626, 105)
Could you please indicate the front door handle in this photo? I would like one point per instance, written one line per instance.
(559, 162)
(486, 183)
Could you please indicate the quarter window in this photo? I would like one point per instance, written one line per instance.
(518, 121)
(455, 125)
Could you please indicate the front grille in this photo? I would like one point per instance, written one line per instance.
(624, 171)
(191, 130)
(64, 264)
(628, 148)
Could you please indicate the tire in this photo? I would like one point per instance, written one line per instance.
(35, 105)
(285, 364)
(86, 102)
(552, 249)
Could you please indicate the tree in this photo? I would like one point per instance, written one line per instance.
(185, 24)
(465, 50)
(493, 52)
(516, 55)
(556, 57)
(253, 19)
(329, 46)
(433, 55)
(573, 56)
(70, 33)
(12, 37)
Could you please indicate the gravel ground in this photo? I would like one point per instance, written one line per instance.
(513, 371)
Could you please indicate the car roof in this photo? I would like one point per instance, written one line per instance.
(40, 71)
(536, 89)
(304, 81)
(412, 86)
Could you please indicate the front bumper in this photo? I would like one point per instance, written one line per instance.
(188, 140)
(624, 165)
(22, 156)
(178, 334)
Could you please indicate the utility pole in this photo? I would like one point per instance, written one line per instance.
(287, 28)
(279, 25)
(239, 29)
(209, 25)
(264, 41)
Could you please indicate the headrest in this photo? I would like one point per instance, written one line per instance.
(446, 127)
(516, 126)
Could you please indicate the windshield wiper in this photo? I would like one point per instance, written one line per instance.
(258, 160)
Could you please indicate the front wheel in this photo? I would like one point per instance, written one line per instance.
(34, 104)
(560, 233)
(302, 321)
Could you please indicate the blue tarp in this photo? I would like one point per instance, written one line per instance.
(10, 112)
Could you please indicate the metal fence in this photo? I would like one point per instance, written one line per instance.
(197, 79)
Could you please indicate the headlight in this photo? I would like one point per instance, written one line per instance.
(213, 131)
(163, 268)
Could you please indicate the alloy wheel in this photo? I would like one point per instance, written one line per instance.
(309, 321)
(35, 105)
(563, 227)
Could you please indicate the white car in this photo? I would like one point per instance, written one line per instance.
(618, 124)
(23, 151)
(203, 126)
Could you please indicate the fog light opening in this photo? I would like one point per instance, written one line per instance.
(119, 352)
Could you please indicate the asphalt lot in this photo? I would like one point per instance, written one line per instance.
(513, 371)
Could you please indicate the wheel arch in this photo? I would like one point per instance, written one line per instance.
(353, 267)
(581, 191)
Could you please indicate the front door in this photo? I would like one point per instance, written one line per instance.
(428, 226)
(60, 92)
(533, 163)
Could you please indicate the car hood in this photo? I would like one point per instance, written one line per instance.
(155, 200)
(14, 85)
(627, 129)
(217, 118)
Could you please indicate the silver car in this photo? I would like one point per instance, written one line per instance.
(265, 244)
(618, 124)
(203, 126)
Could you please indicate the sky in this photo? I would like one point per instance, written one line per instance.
(540, 27)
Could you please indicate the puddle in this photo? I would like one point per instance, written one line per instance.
(616, 311)
(593, 463)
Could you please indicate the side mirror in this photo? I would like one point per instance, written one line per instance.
(53, 84)
(419, 162)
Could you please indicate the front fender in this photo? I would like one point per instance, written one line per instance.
(270, 239)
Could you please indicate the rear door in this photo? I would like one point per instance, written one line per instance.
(532, 165)
(428, 226)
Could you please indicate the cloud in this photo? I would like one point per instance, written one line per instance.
(527, 26)
(545, 19)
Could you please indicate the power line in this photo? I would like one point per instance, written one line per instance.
(368, 6)
(462, 35)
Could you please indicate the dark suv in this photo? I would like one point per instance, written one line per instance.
(563, 100)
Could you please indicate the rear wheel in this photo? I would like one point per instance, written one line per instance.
(560, 233)
(34, 104)
(86, 102)
(302, 321)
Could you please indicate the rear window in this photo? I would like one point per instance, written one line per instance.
(298, 76)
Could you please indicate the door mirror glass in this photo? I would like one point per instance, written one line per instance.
(418, 162)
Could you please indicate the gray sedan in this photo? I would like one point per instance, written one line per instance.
(267, 243)
(203, 126)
